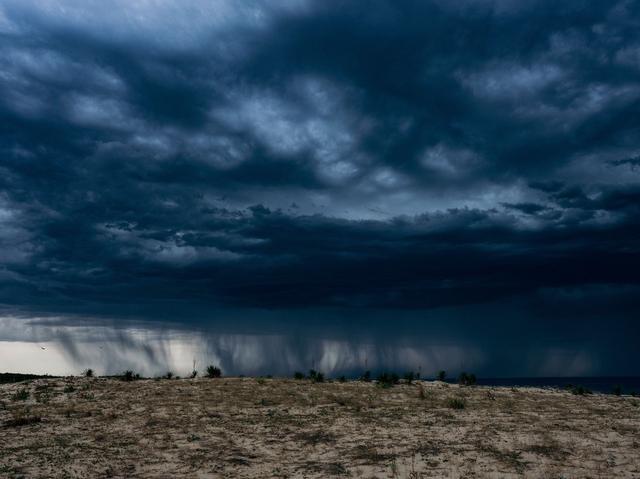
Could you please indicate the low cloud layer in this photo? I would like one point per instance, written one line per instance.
(163, 160)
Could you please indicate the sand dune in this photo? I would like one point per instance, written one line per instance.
(255, 428)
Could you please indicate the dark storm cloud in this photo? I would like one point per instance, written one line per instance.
(287, 155)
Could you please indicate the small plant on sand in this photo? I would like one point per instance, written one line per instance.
(193, 374)
(213, 371)
(410, 376)
(316, 376)
(579, 390)
(88, 373)
(298, 375)
(456, 403)
(466, 379)
(386, 380)
(441, 375)
(342, 379)
(68, 389)
(168, 375)
(366, 376)
(21, 395)
(129, 375)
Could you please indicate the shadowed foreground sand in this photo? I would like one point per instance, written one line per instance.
(80, 427)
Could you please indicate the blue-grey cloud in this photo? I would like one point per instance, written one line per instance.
(160, 161)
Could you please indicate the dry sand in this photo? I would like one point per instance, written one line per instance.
(236, 428)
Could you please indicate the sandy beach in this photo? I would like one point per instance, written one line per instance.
(255, 428)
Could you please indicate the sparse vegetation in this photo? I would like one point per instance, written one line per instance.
(366, 376)
(69, 388)
(456, 403)
(441, 375)
(88, 373)
(617, 390)
(213, 371)
(387, 380)
(298, 375)
(168, 375)
(21, 395)
(193, 374)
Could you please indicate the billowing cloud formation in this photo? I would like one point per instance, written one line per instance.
(163, 159)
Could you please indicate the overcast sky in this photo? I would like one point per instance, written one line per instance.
(334, 168)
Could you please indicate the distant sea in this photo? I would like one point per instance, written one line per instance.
(605, 385)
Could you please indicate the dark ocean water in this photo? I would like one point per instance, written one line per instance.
(605, 385)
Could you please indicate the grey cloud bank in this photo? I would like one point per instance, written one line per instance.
(320, 170)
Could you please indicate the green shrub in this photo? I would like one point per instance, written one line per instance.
(88, 373)
(213, 371)
(129, 375)
(579, 390)
(298, 375)
(441, 375)
(69, 388)
(168, 375)
(456, 403)
(21, 395)
(316, 376)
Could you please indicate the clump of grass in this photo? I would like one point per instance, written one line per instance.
(21, 395)
(213, 371)
(467, 379)
(316, 376)
(298, 375)
(456, 403)
(168, 375)
(342, 379)
(441, 375)
(193, 374)
(69, 389)
(88, 373)
(424, 393)
(366, 377)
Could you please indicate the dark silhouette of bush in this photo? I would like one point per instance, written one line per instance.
(316, 376)
(466, 379)
(298, 375)
(342, 379)
(579, 390)
(88, 373)
(194, 373)
(129, 375)
(366, 377)
(168, 375)
(441, 375)
(410, 376)
(387, 380)
(213, 371)
(69, 388)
